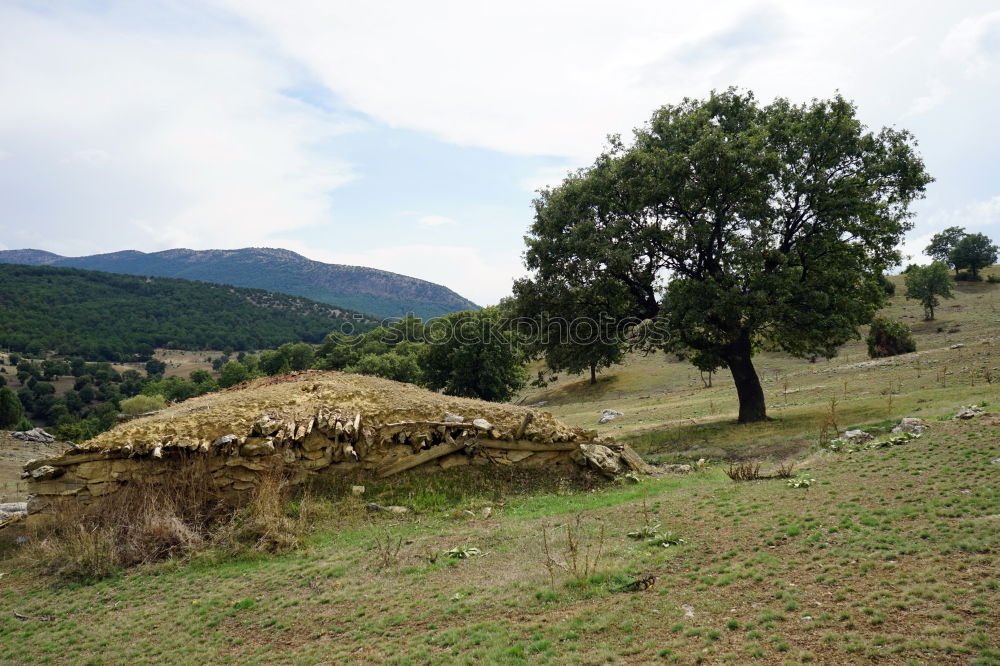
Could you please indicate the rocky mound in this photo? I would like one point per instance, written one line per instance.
(310, 422)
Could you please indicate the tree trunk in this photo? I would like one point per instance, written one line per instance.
(738, 357)
(593, 373)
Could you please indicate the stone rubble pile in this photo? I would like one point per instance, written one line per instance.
(970, 412)
(325, 438)
(33, 435)
(912, 425)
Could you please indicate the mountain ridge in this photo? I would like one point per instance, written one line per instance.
(369, 290)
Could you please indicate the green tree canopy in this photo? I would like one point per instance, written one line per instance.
(574, 329)
(736, 226)
(926, 283)
(11, 409)
(474, 355)
(943, 243)
(974, 251)
(233, 373)
(390, 365)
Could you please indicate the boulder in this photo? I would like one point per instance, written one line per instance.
(970, 412)
(10, 509)
(46, 472)
(609, 415)
(225, 440)
(912, 425)
(33, 435)
(601, 458)
(858, 436)
(257, 447)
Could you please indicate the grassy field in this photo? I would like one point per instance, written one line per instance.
(669, 413)
(888, 556)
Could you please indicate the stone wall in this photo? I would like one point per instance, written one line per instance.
(330, 437)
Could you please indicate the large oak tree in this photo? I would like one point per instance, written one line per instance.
(735, 227)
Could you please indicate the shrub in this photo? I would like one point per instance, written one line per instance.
(744, 471)
(11, 410)
(887, 285)
(142, 404)
(889, 338)
(967, 276)
(993, 279)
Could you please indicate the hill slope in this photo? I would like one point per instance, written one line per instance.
(363, 289)
(114, 317)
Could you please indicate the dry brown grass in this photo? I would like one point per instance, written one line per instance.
(150, 521)
(744, 471)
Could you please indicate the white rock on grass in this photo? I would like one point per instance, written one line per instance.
(33, 435)
(969, 412)
(609, 415)
(858, 436)
(911, 424)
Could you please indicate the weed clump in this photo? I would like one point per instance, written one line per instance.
(744, 471)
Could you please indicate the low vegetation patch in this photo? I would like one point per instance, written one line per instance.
(152, 522)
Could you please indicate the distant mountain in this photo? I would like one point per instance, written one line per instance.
(368, 290)
(113, 317)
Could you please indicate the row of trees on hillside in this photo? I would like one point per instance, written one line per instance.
(96, 398)
(110, 317)
(473, 354)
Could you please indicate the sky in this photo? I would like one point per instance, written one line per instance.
(412, 136)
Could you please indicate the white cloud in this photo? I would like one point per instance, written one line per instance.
(554, 78)
(937, 93)
(436, 221)
(974, 42)
(545, 177)
(150, 139)
(91, 157)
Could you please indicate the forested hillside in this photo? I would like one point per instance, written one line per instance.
(104, 316)
(363, 289)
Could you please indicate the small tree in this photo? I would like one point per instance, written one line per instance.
(943, 243)
(155, 367)
(474, 355)
(11, 410)
(889, 338)
(233, 373)
(391, 365)
(574, 328)
(974, 251)
(926, 283)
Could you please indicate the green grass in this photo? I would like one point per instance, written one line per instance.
(889, 558)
